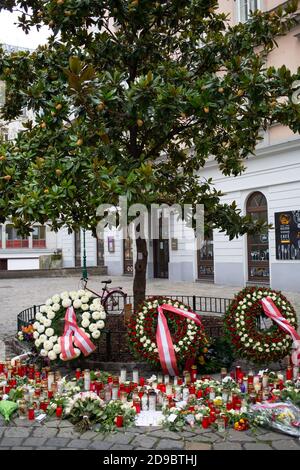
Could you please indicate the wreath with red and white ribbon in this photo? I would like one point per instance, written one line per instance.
(68, 325)
(166, 333)
(262, 325)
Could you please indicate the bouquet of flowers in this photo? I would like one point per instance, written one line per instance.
(283, 417)
(84, 410)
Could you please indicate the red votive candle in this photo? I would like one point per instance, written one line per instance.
(142, 381)
(31, 414)
(50, 394)
(192, 390)
(289, 373)
(78, 374)
(59, 411)
(179, 381)
(109, 379)
(199, 394)
(119, 421)
(205, 422)
(7, 389)
(1, 367)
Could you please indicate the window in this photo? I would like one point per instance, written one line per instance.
(258, 245)
(13, 239)
(39, 237)
(245, 7)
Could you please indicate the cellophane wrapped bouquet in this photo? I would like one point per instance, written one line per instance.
(282, 416)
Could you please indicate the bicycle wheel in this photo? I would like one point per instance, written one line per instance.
(115, 302)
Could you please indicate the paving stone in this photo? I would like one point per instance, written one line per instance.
(205, 438)
(100, 445)
(51, 448)
(52, 424)
(16, 432)
(22, 448)
(274, 436)
(256, 446)
(187, 434)
(166, 444)
(25, 423)
(69, 433)
(166, 434)
(65, 424)
(286, 445)
(239, 436)
(121, 447)
(44, 432)
(34, 441)
(197, 446)
(79, 444)
(227, 446)
(146, 442)
(88, 435)
(2, 431)
(57, 442)
(119, 438)
(11, 441)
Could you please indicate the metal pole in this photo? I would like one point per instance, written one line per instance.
(84, 269)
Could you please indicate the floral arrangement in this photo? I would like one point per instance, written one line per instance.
(101, 402)
(49, 321)
(216, 355)
(242, 323)
(187, 336)
(26, 333)
(283, 417)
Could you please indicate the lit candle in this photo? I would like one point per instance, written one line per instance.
(265, 381)
(152, 401)
(194, 374)
(289, 373)
(123, 375)
(135, 376)
(87, 380)
(145, 402)
(59, 411)
(115, 390)
(166, 379)
(295, 373)
(178, 393)
(185, 394)
(50, 380)
(169, 389)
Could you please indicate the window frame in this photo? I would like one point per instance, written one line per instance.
(239, 6)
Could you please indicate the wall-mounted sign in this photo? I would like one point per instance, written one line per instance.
(287, 227)
(111, 244)
(174, 244)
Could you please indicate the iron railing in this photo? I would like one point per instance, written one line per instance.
(199, 304)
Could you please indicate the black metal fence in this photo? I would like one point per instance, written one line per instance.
(199, 304)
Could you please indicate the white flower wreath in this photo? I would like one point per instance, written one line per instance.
(49, 324)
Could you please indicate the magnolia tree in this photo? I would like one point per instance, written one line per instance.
(121, 83)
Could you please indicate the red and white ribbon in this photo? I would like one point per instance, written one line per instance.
(164, 341)
(272, 312)
(73, 335)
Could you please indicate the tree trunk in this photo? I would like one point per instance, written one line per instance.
(139, 283)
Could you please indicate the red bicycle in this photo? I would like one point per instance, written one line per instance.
(113, 300)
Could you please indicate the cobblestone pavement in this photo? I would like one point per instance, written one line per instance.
(18, 294)
(55, 435)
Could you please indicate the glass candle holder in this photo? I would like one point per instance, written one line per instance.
(31, 414)
(119, 421)
(123, 375)
(59, 411)
(22, 409)
(205, 422)
(87, 380)
(135, 376)
(152, 401)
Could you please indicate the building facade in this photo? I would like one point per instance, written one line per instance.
(269, 189)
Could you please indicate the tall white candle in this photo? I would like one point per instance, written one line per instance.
(135, 376)
(123, 375)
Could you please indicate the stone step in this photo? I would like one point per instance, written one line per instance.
(63, 272)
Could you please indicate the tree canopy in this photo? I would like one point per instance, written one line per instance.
(121, 83)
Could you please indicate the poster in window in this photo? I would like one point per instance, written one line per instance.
(287, 228)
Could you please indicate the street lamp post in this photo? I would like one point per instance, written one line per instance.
(84, 268)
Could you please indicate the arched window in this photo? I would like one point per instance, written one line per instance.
(258, 245)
